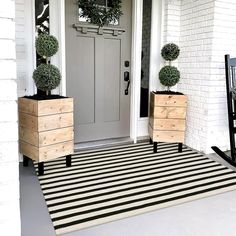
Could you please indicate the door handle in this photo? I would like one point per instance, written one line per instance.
(127, 89)
(126, 76)
(126, 79)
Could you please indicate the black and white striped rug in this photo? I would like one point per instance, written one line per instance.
(108, 184)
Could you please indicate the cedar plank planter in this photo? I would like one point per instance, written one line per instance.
(167, 118)
(46, 128)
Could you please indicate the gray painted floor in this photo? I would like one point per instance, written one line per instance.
(210, 216)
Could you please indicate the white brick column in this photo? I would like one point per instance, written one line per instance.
(205, 31)
(9, 166)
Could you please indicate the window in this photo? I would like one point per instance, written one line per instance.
(146, 36)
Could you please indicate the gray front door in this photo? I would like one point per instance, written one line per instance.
(95, 66)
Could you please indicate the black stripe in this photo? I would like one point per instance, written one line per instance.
(133, 172)
(125, 169)
(131, 194)
(143, 205)
(114, 164)
(132, 177)
(156, 159)
(104, 159)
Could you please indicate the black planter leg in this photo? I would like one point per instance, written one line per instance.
(68, 160)
(155, 147)
(25, 160)
(41, 168)
(150, 141)
(180, 147)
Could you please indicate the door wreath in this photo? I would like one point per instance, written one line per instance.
(100, 15)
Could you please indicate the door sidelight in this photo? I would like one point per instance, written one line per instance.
(126, 79)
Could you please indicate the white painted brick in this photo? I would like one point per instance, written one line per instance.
(9, 152)
(8, 132)
(7, 49)
(9, 172)
(8, 90)
(9, 191)
(6, 226)
(7, 9)
(10, 111)
(8, 69)
(7, 27)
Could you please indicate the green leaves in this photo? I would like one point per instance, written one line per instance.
(169, 76)
(170, 52)
(47, 77)
(46, 45)
(100, 15)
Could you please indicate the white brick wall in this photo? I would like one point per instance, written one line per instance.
(9, 167)
(205, 31)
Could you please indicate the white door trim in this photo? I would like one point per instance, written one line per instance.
(57, 28)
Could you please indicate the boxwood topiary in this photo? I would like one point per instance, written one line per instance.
(46, 45)
(47, 77)
(170, 52)
(169, 76)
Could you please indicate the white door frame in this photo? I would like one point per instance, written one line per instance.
(57, 28)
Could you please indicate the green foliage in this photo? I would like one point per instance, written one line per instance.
(46, 45)
(169, 76)
(100, 15)
(47, 77)
(170, 52)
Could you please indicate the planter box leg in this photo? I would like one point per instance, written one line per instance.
(25, 160)
(150, 141)
(41, 168)
(68, 160)
(155, 147)
(180, 147)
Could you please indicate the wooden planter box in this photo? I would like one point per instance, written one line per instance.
(167, 117)
(46, 128)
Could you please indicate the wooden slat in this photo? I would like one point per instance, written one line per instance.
(55, 121)
(167, 124)
(166, 136)
(169, 112)
(55, 106)
(48, 152)
(45, 107)
(28, 121)
(55, 136)
(169, 100)
(29, 136)
(28, 106)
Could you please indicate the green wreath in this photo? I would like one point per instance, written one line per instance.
(98, 15)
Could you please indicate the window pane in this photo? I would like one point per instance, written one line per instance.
(146, 35)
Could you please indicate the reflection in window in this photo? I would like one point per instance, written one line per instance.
(101, 4)
(146, 35)
(42, 16)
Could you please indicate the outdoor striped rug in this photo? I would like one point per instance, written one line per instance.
(113, 183)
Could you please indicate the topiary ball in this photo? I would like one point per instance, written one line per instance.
(47, 77)
(169, 76)
(46, 45)
(170, 52)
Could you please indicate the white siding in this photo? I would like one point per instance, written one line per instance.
(25, 57)
(9, 166)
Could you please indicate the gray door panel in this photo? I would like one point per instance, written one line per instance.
(94, 70)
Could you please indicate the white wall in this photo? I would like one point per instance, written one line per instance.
(9, 167)
(207, 31)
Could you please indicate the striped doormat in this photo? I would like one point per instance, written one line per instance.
(113, 183)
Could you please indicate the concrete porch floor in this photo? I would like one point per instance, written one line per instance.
(210, 216)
